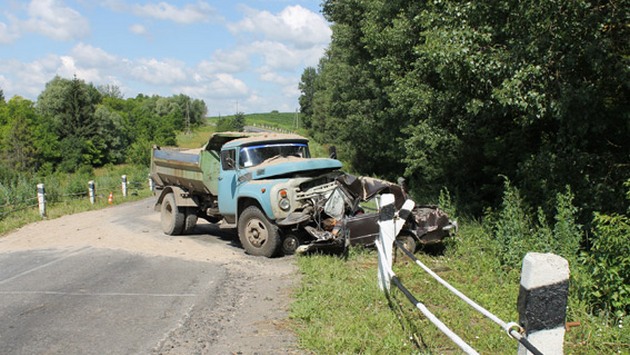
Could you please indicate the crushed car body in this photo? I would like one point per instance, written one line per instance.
(336, 216)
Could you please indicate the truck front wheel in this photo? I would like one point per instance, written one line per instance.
(257, 234)
(173, 219)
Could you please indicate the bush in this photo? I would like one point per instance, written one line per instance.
(608, 264)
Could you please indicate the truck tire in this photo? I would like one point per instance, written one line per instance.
(257, 234)
(190, 220)
(172, 217)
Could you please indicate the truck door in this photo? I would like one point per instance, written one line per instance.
(227, 184)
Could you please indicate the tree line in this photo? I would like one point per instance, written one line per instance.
(465, 94)
(74, 124)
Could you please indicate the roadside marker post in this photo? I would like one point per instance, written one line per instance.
(542, 301)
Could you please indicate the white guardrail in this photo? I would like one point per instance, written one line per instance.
(541, 302)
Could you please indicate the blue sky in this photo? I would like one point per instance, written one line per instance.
(243, 55)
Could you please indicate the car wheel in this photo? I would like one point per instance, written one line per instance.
(257, 234)
(172, 218)
(290, 243)
(408, 241)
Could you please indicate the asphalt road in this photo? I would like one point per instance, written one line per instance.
(110, 282)
(90, 301)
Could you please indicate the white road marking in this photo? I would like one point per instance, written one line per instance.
(73, 253)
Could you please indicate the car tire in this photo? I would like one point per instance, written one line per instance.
(290, 243)
(257, 234)
(408, 241)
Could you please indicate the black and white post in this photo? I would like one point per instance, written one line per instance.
(542, 301)
(390, 223)
(41, 199)
(91, 191)
(124, 185)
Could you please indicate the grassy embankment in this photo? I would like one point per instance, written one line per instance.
(68, 194)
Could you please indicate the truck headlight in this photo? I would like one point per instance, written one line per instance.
(283, 200)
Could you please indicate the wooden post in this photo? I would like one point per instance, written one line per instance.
(542, 301)
(124, 185)
(91, 191)
(41, 199)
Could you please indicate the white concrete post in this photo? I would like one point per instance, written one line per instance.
(151, 184)
(390, 225)
(41, 199)
(385, 241)
(91, 191)
(124, 185)
(542, 302)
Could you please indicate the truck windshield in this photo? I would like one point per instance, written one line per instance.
(256, 154)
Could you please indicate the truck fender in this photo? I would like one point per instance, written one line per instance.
(182, 198)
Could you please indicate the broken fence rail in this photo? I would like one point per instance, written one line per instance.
(391, 222)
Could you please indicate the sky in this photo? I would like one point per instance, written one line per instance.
(238, 56)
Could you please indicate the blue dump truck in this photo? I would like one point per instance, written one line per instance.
(268, 187)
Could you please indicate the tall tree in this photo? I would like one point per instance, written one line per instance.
(307, 88)
(70, 105)
(458, 94)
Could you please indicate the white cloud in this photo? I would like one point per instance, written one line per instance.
(222, 86)
(158, 72)
(190, 13)
(91, 56)
(225, 62)
(295, 25)
(52, 19)
(8, 33)
(138, 29)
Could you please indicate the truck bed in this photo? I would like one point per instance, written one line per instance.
(190, 169)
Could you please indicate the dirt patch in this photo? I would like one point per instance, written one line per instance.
(250, 313)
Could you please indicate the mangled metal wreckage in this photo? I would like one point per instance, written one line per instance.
(336, 217)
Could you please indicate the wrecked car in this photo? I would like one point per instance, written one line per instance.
(339, 218)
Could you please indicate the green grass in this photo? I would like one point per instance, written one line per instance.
(339, 308)
(67, 194)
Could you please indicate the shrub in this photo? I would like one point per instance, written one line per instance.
(608, 264)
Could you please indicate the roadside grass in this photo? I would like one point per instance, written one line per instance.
(68, 194)
(339, 308)
(196, 138)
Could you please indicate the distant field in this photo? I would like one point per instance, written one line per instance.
(281, 120)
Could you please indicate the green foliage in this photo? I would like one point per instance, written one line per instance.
(74, 124)
(517, 233)
(456, 94)
(511, 228)
(234, 123)
(608, 263)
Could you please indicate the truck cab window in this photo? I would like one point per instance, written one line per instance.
(228, 159)
(256, 154)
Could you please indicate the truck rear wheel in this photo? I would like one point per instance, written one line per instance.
(190, 220)
(257, 234)
(172, 218)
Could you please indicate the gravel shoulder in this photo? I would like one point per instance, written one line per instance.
(249, 313)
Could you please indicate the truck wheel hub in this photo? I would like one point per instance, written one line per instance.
(256, 232)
